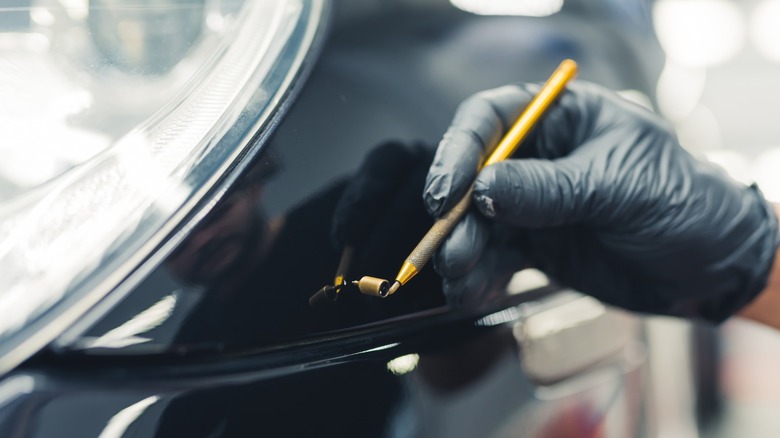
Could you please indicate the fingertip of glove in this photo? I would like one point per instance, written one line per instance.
(483, 199)
(435, 194)
(433, 205)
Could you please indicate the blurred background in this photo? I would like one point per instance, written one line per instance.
(719, 87)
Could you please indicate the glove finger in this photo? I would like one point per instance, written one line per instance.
(486, 282)
(479, 123)
(583, 113)
(462, 248)
(378, 180)
(535, 193)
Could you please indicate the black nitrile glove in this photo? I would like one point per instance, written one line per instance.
(604, 200)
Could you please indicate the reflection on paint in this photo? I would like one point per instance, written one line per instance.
(118, 424)
(404, 364)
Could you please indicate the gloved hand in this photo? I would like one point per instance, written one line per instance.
(603, 199)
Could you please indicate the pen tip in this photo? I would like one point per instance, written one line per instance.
(394, 287)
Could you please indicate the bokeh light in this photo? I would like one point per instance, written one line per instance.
(699, 33)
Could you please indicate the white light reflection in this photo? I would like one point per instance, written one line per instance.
(699, 33)
(404, 364)
(380, 348)
(530, 8)
(147, 174)
(13, 387)
(118, 424)
(127, 333)
(525, 280)
(498, 318)
(41, 16)
(76, 9)
(70, 103)
(215, 21)
(33, 43)
(26, 166)
(40, 140)
(764, 29)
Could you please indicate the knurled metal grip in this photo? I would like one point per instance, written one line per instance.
(424, 250)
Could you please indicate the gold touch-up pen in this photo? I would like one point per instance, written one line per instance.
(430, 242)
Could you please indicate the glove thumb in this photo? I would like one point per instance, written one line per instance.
(533, 193)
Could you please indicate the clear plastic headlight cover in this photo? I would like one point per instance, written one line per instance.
(117, 117)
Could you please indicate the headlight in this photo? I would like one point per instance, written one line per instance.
(118, 117)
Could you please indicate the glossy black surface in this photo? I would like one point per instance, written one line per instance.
(434, 377)
(220, 340)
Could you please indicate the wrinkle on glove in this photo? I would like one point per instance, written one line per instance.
(609, 203)
(476, 129)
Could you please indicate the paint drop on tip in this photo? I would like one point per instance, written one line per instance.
(396, 285)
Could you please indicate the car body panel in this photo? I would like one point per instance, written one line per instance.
(442, 376)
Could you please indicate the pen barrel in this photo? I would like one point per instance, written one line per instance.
(535, 109)
(424, 250)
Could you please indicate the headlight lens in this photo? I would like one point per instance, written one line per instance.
(121, 115)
